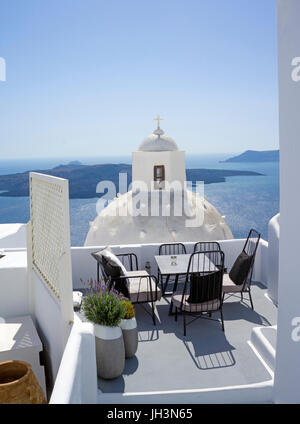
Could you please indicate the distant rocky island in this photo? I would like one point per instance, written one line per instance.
(255, 156)
(83, 179)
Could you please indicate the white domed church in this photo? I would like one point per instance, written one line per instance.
(159, 208)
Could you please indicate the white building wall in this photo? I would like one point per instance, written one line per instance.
(287, 371)
(14, 300)
(143, 165)
(50, 325)
(12, 236)
(273, 258)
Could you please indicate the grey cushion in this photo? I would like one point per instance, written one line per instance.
(229, 286)
(139, 288)
(211, 305)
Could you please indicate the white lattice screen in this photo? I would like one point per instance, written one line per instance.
(49, 262)
(50, 231)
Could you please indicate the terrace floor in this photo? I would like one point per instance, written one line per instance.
(205, 358)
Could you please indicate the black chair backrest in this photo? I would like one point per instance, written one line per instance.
(172, 249)
(129, 260)
(101, 265)
(250, 248)
(204, 277)
(205, 246)
(252, 242)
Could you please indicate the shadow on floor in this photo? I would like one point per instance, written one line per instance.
(235, 309)
(118, 385)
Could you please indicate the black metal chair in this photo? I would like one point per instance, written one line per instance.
(202, 292)
(206, 246)
(250, 249)
(143, 288)
(170, 249)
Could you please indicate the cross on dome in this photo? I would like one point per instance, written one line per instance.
(158, 119)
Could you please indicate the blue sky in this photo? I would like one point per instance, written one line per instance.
(87, 77)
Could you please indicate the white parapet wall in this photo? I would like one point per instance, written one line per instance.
(248, 393)
(76, 381)
(14, 298)
(12, 236)
(84, 265)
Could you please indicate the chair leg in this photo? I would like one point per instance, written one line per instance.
(184, 324)
(242, 296)
(221, 312)
(250, 297)
(164, 287)
(175, 283)
(223, 297)
(176, 314)
(153, 313)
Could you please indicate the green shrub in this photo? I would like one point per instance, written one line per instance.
(130, 312)
(103, 306)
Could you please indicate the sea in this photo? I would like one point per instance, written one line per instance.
(246, 201)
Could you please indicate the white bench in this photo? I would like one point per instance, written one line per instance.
(19, 341)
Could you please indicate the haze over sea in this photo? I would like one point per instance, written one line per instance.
(246, 201)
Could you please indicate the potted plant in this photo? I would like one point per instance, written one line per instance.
(104, 308)
(129, 329)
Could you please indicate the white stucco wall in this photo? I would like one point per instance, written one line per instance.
(287, 371)
(12, 236)
(273, 258)
(76, 381)
(49, 322)
(13, 284)
(143, 165)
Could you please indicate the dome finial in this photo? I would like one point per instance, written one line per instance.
(158, 119)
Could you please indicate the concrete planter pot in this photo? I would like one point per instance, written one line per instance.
(18, 384)
(130, 336)
(110, 351)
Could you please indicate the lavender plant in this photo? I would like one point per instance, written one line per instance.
(103, 305)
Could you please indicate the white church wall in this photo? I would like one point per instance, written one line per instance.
(143, 165)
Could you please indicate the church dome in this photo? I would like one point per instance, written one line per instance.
(158, 141)
(116, 225)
